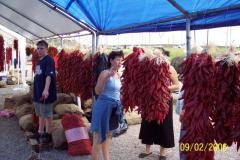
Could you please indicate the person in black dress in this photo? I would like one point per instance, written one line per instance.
(160, 134)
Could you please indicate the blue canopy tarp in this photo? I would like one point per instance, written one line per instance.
(129, 16)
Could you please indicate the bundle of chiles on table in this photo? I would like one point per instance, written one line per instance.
(145, 82)
(199, 94)
(2, 56)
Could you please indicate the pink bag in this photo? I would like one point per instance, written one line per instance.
(6, 113)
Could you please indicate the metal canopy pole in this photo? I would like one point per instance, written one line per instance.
(62, 42)
(94, 42)
(97, 41)
(207, 38)
(188, 36)
(188, 17)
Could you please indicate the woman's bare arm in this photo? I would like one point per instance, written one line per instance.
(174, 80)
(102, 79)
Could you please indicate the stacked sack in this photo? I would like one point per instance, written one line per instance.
(76, 134)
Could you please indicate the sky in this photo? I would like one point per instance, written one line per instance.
(219, 36)
(225, 36)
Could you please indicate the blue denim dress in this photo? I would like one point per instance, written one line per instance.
(106, 110)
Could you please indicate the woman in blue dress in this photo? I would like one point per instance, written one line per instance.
(107, 108)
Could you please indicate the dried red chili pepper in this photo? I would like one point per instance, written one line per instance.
(2, 55)
(146, 87)
(199, 95)
(8, 55)
(52, 51)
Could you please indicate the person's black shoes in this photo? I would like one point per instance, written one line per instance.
(162, 158)
(36, 136)
(45, 138)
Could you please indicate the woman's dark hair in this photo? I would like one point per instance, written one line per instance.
(160, 48)
(113, 55)
(164, 52)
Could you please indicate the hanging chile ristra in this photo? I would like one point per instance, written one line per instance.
(75, 73)
(35, 59)
(2, 56)
(8, 55)
(28, 51)
(128, 87)
(146, 87)
(15, 45)
(62, 60)
(199, 100)
(52, 51)
(87, 77)
(69, 71)
(226, 115)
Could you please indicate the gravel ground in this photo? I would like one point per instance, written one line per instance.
(13, 144)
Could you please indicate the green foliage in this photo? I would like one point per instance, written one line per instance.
(175, 52)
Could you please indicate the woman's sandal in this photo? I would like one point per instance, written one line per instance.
(162, 158)
(143, 155)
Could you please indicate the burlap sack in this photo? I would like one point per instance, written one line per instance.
(85, 120)
(11, 80)
(22, 99)
(56, 116)
(88, 125)
(3, 84)
(12, 102)
(26, 123)
(62, 109)
(30, 88)
(63, 98)
(58, 135)
(24, 110)
(133, 118)
(88, 103)
(9, 103)
(56, 124)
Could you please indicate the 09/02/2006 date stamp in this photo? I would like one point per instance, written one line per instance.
(201, 147)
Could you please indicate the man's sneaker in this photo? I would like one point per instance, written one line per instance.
(36, 136)
(45, 138)
(49, 137)
(41, 138)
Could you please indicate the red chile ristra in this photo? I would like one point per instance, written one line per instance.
(198, 86)
(145, 85)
